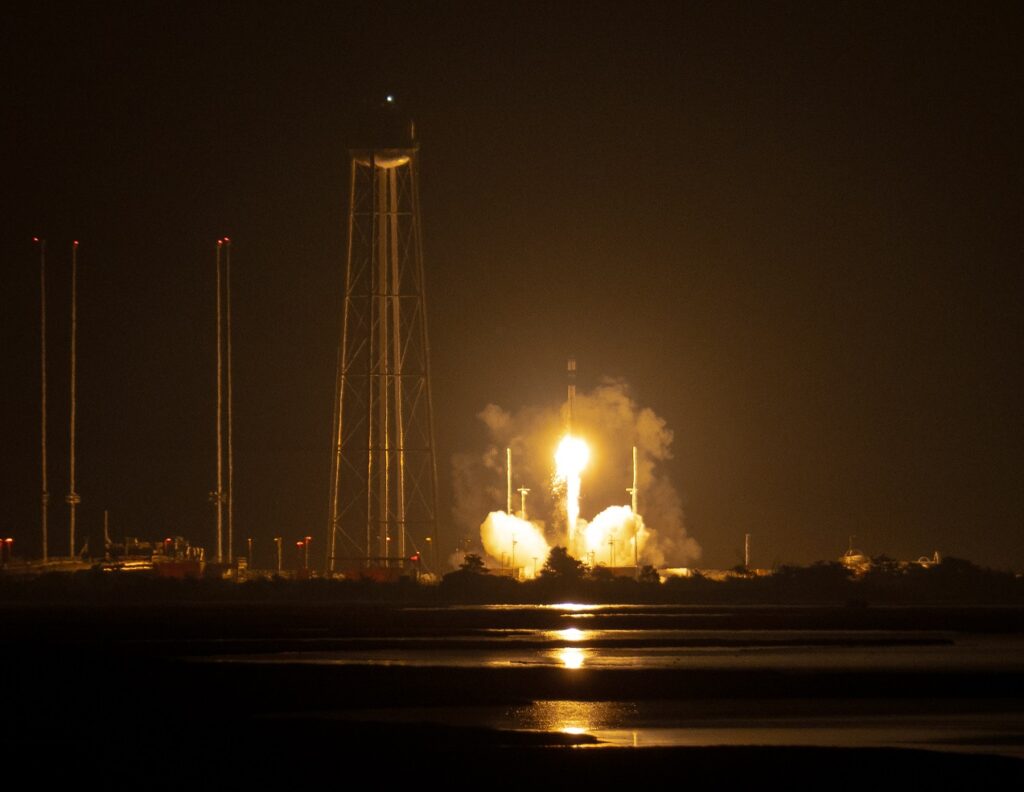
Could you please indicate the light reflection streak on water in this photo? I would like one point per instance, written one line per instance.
(571, 657)
(566, 606)
(568, 716)
(574, 657)
(929, 731)
(612, 608)
(575, 634)
(972, 653)
(630, 724)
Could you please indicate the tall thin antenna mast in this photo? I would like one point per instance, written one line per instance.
(73, 499)
(508, 481)
(44, 505)
(218, 495)
(231, 447)
(633, 497)
(339, 401)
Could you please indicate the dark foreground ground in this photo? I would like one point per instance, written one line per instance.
(248, 692)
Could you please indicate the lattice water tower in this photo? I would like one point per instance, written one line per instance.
(383, 504)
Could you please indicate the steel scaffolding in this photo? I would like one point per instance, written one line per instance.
(383, 505)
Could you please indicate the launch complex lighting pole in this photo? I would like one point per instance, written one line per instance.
(383, 467)
(231, 448)
(636, 537)
(508, 481)
(222, 496)
(218, 494)
(45, 503)
(73, 498)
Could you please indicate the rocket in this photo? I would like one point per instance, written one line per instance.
(571, 378)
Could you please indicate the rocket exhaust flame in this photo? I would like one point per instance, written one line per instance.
(617, 536)
(570, 460)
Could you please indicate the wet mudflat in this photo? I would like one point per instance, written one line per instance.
(598, 688)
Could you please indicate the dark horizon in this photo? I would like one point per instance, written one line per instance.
(792, 230)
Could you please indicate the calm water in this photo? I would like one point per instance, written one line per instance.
(579, 643)
(596, 649)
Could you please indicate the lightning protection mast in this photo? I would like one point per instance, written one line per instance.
(45, 502)
(383, 503)
(73, 498)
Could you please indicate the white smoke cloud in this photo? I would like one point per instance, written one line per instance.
(609, 537)
(611, 422)
(510, 541)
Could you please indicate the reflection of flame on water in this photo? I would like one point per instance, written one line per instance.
(571, 657)
(573, 606)
(573, 717)
(570, 634)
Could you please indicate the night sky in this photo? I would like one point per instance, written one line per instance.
(793, 228)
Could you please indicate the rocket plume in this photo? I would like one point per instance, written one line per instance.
(511, 541)
(614, 423)
(608, 538)
(570, 460)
